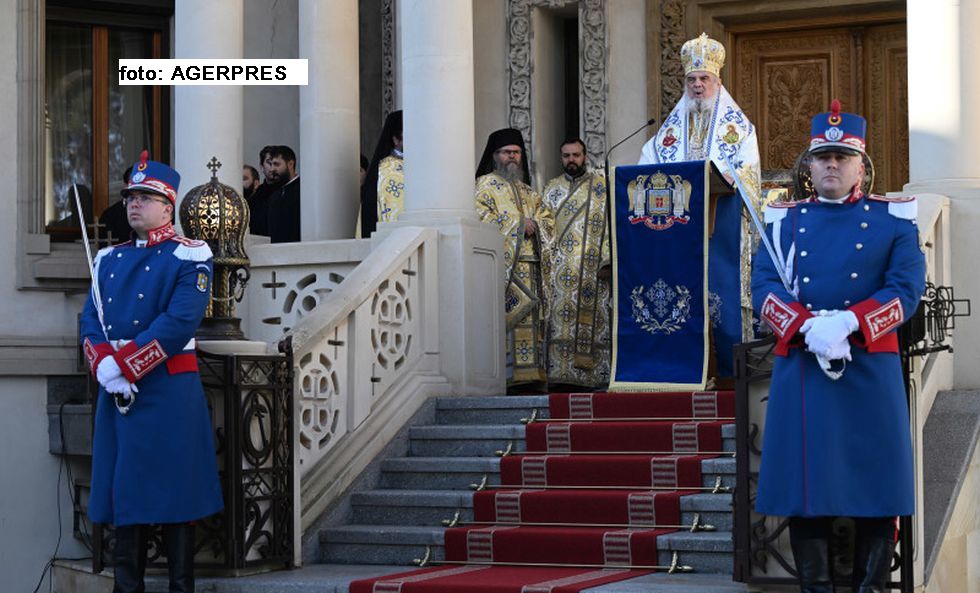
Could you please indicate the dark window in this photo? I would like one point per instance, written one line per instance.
(95, 128)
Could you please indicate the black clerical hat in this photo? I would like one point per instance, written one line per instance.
(496, 141)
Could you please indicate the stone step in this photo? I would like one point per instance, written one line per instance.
(462, 440)
(715, 509)
(661, 582)
(336, 578)
(728, 437)
(410, 507)
(438, 473)
(706, 552)
(507, 409)
(379, 544)
(457, 473)
(430, 507)
(719, 466)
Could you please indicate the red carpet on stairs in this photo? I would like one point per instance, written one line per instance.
(600, 481)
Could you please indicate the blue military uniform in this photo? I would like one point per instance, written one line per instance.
(154, 463)
(846, 271)
(839, 447)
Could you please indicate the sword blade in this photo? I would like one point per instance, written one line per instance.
(760, 228)
(96, 293)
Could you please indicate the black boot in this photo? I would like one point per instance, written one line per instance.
(180, 556)
(872, 564)
(812, 559)
(129, 559)
(810, 540)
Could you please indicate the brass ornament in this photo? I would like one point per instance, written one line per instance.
(216, 213)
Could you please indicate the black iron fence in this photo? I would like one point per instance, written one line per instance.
(762, 542)
(250, 399)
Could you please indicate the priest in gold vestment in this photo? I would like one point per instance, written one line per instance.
(383, 191)
(504, 199)
(579, 299)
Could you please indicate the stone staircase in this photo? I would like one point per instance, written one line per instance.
(391, 524)
(394, 523)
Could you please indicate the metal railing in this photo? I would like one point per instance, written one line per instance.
(762, 541)
(251, 405)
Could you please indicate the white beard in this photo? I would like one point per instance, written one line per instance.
(700, 106)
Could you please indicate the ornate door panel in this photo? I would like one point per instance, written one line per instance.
(886, 105)
(781, 79)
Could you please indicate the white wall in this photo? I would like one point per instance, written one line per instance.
(957, 566)
(29, 497)
(626, 108)
(490, 70)
(943, 127)
(271, 112)
(31, 494)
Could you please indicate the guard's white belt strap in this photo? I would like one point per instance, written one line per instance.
(118, 344)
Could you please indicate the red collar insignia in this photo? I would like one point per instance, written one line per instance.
(160, 234)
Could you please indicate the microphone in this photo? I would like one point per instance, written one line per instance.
(609, 210)
(649, 123)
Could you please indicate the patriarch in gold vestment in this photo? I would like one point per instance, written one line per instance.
(579, 299)
(707, 124)
(504, 199)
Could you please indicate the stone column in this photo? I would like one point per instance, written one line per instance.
(329, 124)
(208, 119)
(437, 95)
(437, 62)
(944, 127)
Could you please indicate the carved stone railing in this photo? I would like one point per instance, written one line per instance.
(363, 336)
(762, 555)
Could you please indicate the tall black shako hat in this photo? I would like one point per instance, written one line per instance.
(369, 191)
(496, 141)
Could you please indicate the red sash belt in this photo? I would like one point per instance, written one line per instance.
(185, 362)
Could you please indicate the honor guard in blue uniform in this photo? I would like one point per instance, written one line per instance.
(837, 428)
(153, 456)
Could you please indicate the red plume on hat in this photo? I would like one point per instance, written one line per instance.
(837, 131)
(144, 157)
(153, 177)
(834, 118)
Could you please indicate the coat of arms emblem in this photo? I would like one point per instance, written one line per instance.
(659, 200)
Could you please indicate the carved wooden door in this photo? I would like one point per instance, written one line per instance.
(782, 79)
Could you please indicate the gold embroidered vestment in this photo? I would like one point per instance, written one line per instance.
(579, 302)
(507, 205)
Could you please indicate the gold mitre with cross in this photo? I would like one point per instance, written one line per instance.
(703, 54)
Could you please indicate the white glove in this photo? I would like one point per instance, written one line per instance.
(107, 371)
(840, 350)
(120, 386)
(827, 334)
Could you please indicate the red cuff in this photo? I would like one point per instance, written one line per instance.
(877, 324)
(136, 362)
(785, 320)
(94, 353)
